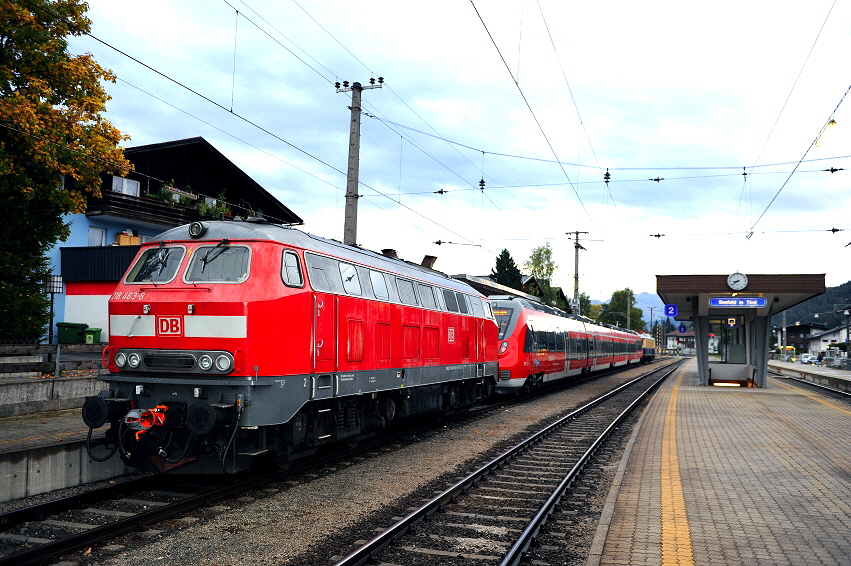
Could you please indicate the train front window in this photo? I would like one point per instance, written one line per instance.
(503, 317)
(156, 265)
(222, 263)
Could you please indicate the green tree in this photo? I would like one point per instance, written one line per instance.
(506, 272)
(541, 266)
(54, 144)
(614, 312)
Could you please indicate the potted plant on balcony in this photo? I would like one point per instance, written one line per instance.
(213, 208)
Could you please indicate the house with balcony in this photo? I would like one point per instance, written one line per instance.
(173, 183)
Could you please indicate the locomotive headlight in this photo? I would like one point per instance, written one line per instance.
(133, 360)
(121, 359)
(196, 229)
(205, 362)
(223, 363)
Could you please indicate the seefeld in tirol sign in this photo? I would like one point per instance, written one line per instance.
(738, 302)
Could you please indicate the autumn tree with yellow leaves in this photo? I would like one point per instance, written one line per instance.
(54, 145)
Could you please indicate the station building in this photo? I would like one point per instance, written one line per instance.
(736, 309)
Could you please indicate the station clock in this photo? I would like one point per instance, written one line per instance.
(737, 281)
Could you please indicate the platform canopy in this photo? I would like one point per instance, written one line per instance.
(779, 291)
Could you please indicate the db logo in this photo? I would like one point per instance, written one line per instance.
(169, 326)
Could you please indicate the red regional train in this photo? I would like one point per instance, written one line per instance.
(539, 344)
(242, 339)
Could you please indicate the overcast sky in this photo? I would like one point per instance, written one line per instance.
(675, 90)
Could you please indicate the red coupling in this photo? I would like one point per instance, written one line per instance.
(143, 420)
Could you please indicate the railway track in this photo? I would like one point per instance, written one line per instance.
(811, 386)
(36, 534)
(496, 512)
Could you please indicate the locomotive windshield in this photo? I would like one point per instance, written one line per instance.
(157, 265)
(221, 263)
(503, 317)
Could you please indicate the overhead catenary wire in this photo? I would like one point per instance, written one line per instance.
(821, 130)
(531, 111)
(267, 131)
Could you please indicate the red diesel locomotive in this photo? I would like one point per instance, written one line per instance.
(232, 340)
(539, 344)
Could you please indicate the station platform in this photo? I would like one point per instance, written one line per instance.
(722, 475)
(45, 451)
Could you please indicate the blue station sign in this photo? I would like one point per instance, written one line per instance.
(738, 302)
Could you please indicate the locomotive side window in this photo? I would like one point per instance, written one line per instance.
(451, 300)
(406, 292)
(462, 303)
(291, 272)
(427, 297)
(351, 283)
(476, 303)
(157, 265)
(323, 273)
(488, 311)
(221, 263)
(379, 285)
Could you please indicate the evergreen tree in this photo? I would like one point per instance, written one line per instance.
(506, 272)
(51, 129)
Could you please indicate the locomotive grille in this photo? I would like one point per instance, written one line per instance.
(169, 360)
(505, 374)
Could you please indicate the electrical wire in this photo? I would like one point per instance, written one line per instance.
(821, 130)
(523, 96)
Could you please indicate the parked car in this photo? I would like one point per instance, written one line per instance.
(806, 358)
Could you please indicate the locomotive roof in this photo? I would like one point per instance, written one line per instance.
(258, 229)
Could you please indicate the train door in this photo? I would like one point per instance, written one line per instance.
(325, 332)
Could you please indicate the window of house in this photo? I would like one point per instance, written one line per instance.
(125, 186)
(97, 236)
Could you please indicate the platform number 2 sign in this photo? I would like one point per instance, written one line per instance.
(671, 310)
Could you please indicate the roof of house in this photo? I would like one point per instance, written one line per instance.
(195, 165)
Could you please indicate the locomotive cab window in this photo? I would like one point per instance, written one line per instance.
(291, 271)
(351, 283)
(503, 317)
(157, 265)
(222, 263)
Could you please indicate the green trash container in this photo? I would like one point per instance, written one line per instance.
(92, 335)
(72, 332)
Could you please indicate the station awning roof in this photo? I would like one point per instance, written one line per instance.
(780, 292)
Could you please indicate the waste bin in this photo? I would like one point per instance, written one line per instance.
(92, 335)
(71, 332)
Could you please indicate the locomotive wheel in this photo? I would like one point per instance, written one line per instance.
(352, 442)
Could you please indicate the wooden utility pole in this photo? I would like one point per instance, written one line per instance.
(350, 228)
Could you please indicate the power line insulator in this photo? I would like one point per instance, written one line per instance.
(482, 185)
(607, 177)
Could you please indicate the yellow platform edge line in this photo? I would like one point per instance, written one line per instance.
(676, 534)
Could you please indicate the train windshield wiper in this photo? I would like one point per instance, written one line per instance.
(214, 253)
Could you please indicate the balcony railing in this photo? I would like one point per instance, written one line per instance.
(140, 208)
